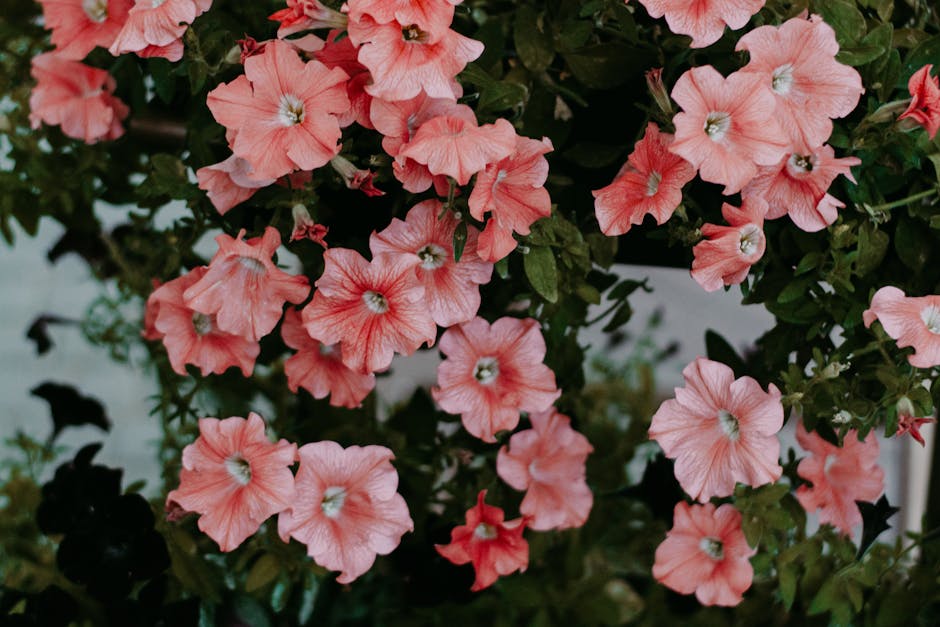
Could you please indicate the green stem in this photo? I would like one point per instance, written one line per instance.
(904, 201)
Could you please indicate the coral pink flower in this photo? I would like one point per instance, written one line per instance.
(706, 552)
(347, 509)
(433, 16)
(157, 23)
(925, 100)
(496, 241)
(911, 321)
(547, 461)
(75, 96)
(235, 477)
(451, 291)
(797, 61)
(726, 128)
(494, 547)
(720, 430)
(151, 307)
(283, 111)
(319, 369)
(229, 183)
(650, 182)
(908, 423)
(404, 60)
(172, 52)
(301, 15)
(839, 477)
(78, 26)
(728, 252)
(798, 185)
(243, 287)
(374, 309)
(344, 55)
(703, 20)
(194, 338)
(492, 373)
(306, 228)
(354, 177)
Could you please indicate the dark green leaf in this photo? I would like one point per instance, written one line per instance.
(542, 272)
(718, 349)
(460, 240)
(844, 18)
(533, 44)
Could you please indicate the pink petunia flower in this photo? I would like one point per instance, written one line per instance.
(374, 309)
(283, 111)
(194, 338)
(76, 97)
(229, 183)
(319, 369)
(720, 431)
(706, 552)
(347, 509)
(306, 228)
(243, 287)
(839, 477)
(344, 55)
(728, 252)
(235, 478)
(151, 307)
(354, 178)
(547, 461)
(797, 61)
(172, 52)
(726, 128)
(451, 289)
(495, 547)
(910, 321)
(301, 15)
(78, 26)
(650, 182)
(703, 20)
(432, 16)
(492, 372)
(798, 186)
(907, 423)
(157, 25)
(925, 100)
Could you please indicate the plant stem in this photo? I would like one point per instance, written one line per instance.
(904, 201)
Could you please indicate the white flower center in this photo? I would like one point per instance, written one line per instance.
(432, 257)
(251, 264)
(375, 302)
(729, 425)
(800, 164)
(712, 547)
(327, 350)
(202, 323)
(717, 124)
(652, 183)
(830, 461)
(291, 110)
(750, 239)
(239, 468)
(96, 10)
(156, 3)
(782, 79)
(486, 370)
(333, 499)
(501, 176)
(931, 317)
(485, 531)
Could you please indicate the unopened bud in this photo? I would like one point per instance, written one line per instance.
(842, 417)
(654, 82)
(833, 370)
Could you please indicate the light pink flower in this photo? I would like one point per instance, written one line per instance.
(172, 52)
(925, 100)
(157, 24)
(839, 477)
(706, 552)
(547, 461)
(301, 15)
(720, 431)
(798, 185)
(374, 309)
(451, 289)
(911, 321)
(650, 182)
(797, 61)
(433, 16)
(907, 423)
(235, 478)
(495, 547)
(283, 111)
(347, 509)
(728, 252)
(496, 241)
(229, 183)
(492, 372)
(306, 228)
(319, 369)
(76, 97)
(78, 26)
(344, 55)
(243, 287)
(726, 128)
(703, 20)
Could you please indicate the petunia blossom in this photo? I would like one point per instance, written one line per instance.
(157, 24)
(650, 182)
(493, 545)
(194, 338)
(706, 552)
(839, 477)
(492, 372)
(243, 287)
(799, 186)
(343, 54)
(373, 309)
(548, 462)
(703, 20)
(908, 423)
(728, 252)
(726, 128)
(910, 321)
(235, 478)
(229, 183)
(925, 100)
(451, 288)
(347, 509)
(431, 16)
(720, 431)
(301, 15)
(78, 26)
(319, 369)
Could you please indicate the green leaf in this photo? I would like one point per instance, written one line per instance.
(912, 244)
(844, 18)
(786, 575)
(872, 248)
(533, 44)
(718, 349)
(621, 316)
(460, 240)
(927, 51)
(542, 272)
(264, 571)
(603, 66)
